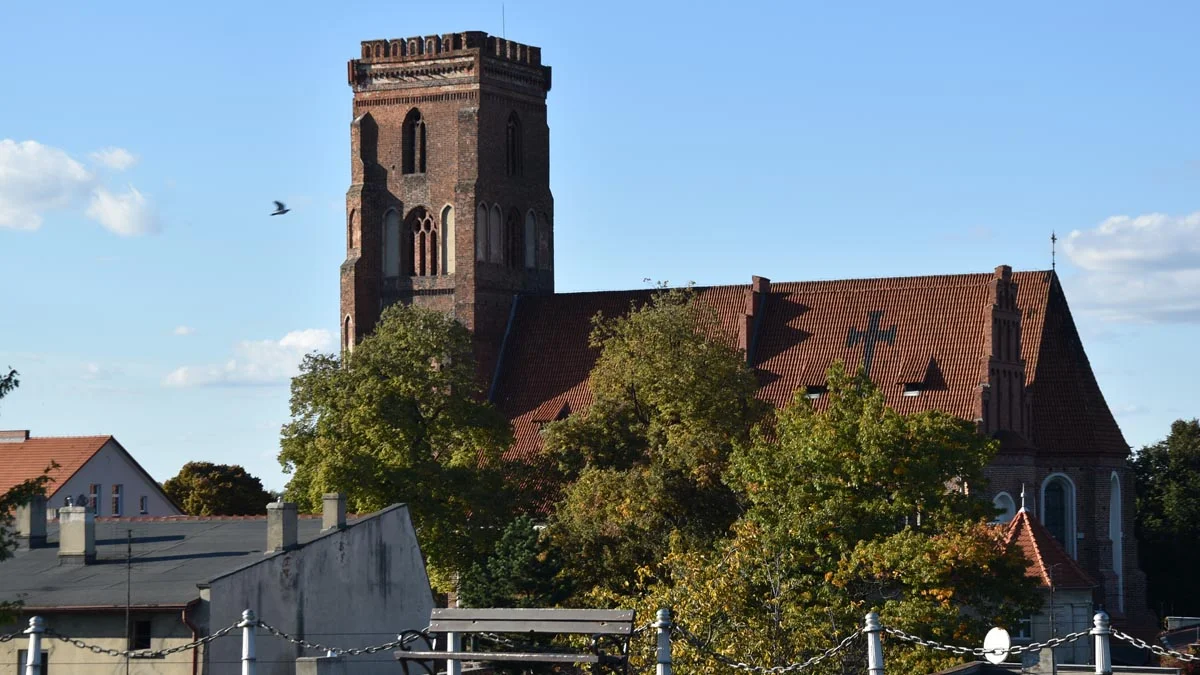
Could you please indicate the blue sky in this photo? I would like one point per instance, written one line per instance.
(141, 144)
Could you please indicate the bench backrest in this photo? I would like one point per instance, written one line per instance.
(577, 621)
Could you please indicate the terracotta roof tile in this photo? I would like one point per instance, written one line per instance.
(940, 326)
(1046, 557)
(23, 460)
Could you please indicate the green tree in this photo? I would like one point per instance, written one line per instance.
(14, 497)
(398, 419)
(644, 463)
(1167, 520)
(206, 489)
(522, 571)
(851, 507)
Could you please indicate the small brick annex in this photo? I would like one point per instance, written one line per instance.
(450, 208)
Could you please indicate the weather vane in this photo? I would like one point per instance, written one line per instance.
(1053, 240)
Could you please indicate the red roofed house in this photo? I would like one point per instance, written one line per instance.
(450, 208)
(1067, 602)
(96, 468)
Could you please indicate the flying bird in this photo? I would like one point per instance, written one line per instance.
(280, 209)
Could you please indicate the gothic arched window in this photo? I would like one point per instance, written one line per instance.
(447, 241)
(1008, 509)
(481, 232)
(414, 143)
(1058, 510)
(391, 244)
(512, 146)
(423, 236)
(495, 235)
(530, 241)
(348, 334)
(514, 251)
(351, 226)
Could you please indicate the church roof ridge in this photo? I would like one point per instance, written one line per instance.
(842, 284)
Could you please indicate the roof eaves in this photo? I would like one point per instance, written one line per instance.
(267, 556)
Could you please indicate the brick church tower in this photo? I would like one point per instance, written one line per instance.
(449, 205)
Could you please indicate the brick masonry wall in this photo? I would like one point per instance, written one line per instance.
(466, 112)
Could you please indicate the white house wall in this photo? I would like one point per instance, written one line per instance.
(109, 466)
(358, 587)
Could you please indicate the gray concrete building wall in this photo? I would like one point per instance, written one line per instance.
(349, 588)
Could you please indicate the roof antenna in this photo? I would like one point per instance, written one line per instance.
(503, 29)
(1053, 240)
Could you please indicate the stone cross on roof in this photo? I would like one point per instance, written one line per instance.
(870, 337)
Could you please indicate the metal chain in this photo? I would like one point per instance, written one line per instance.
(9, 636)
(643, 628)
(405, 638)
(690, 638)
(140, 653)
(980, 651)
(1161, 651)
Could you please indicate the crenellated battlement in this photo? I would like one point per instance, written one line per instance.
(432, 46)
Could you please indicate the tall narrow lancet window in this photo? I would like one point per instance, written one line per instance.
(530, 241)
(512, 146)
(391, 244)
(1115, 535)
(495, 235)
(423, 235)
(514, 249)
(413, 143)
(1058, 510)
(447, 241)
(351, 226)
(348, 335)
(481, 233)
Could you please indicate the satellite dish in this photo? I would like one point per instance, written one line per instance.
(995, 646)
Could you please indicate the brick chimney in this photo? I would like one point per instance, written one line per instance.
(14, 435)
(748, 326)
(76, 535)
(333, 514)
(31, 523)
(281, 527)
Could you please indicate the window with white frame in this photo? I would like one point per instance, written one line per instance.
(117, 505)
(1058, 510)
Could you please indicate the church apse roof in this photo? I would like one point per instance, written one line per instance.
(926, 338)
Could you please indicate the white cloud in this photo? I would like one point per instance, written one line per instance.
(36, 179)
(94, 371)
(115, 158)
(1144, 268)
(126, 214)
(184, 330)
(255, 361)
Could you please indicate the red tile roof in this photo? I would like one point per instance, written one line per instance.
(940, 332)
(25, 459)
(1046, 557)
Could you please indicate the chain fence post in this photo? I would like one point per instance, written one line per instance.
(249, 626)
(33, 658)
(1102, 631)
(874, 644)
(663, 624)
(453, 644)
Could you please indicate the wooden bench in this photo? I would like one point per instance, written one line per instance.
(614, 627)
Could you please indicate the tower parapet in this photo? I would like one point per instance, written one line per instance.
(417, 57)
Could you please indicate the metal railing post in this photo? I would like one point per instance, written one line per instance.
(33, 659)
(453, 644)
(249, 626)
(663, 624)
(874, 644)
(1102, 631)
